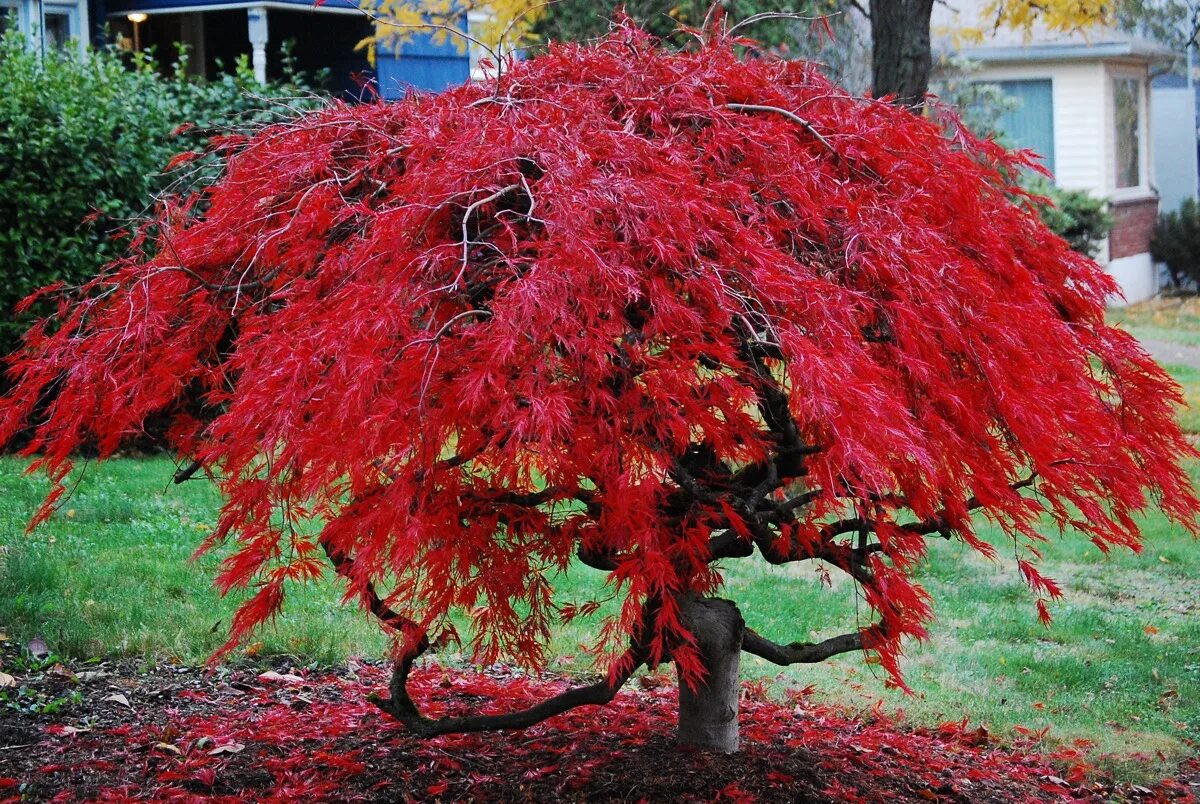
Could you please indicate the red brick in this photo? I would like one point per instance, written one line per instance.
(1133, 225)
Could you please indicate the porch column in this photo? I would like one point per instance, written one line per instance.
(256, 19)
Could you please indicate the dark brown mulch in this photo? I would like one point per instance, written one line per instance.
(129, 731)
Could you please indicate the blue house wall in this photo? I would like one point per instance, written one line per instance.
(421, 63)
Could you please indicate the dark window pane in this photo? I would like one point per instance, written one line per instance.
(57, 29)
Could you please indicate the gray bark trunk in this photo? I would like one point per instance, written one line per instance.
(708, 715)
(901, 55)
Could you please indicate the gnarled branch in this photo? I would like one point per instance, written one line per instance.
(600, 561)
(385, 614)
(729, 544)
(402, 707)
(799, 652)
(186, 473)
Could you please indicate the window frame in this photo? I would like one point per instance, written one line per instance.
(1140, 138)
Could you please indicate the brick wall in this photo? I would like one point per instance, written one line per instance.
(1133, 224)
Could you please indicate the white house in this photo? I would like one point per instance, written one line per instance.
(1085, 107)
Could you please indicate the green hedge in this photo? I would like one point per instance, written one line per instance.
(85, 137)
(1176, 242)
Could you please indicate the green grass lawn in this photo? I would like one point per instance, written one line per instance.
(1175, 319)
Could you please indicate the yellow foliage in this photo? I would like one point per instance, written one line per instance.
(1060, 16)
(497, 25)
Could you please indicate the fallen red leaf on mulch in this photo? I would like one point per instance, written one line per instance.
(230, 736)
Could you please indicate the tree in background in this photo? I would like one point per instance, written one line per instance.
(782, 24)
(493, 25)
(1174, 23)
(624, 310)
(901, 50)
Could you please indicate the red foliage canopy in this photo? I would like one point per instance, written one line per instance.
(651, 308)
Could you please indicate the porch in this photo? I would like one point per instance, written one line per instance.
(216, 33)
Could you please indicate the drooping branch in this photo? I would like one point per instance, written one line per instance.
(795, 118)
(924, 527)
(375, 604)
(531, 499)
(799, 652)
(402, 707)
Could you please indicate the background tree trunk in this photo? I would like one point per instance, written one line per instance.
(708, 715)
(901, 54)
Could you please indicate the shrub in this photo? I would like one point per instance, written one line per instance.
(1176, 242)
(77, 135)
(83, 141)
(1074, 215)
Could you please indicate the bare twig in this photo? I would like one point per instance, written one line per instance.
(795, 118)
(772, 15)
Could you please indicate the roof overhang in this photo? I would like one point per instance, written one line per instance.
(1136, 50)
(120, 8)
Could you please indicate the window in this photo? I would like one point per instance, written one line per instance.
(56, 27)
(1030, 124)
(1126, 119)
(46, 25)
(8, 19)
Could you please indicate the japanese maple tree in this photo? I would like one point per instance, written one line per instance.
(636, 310)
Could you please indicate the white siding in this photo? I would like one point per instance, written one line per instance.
(1080, 103)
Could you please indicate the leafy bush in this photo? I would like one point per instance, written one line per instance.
(1074, 215)
(77, 135)
(85, 138)
(1176, 242)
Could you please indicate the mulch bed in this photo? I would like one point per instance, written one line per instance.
(237, 734)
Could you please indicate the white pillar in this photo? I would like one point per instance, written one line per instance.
(256, 19)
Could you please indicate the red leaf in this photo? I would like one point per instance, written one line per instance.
(181, 159)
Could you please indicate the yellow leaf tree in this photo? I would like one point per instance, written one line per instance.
(493, 25)
(1055, 15)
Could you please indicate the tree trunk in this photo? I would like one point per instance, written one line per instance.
(901, 55)
(708, 715)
